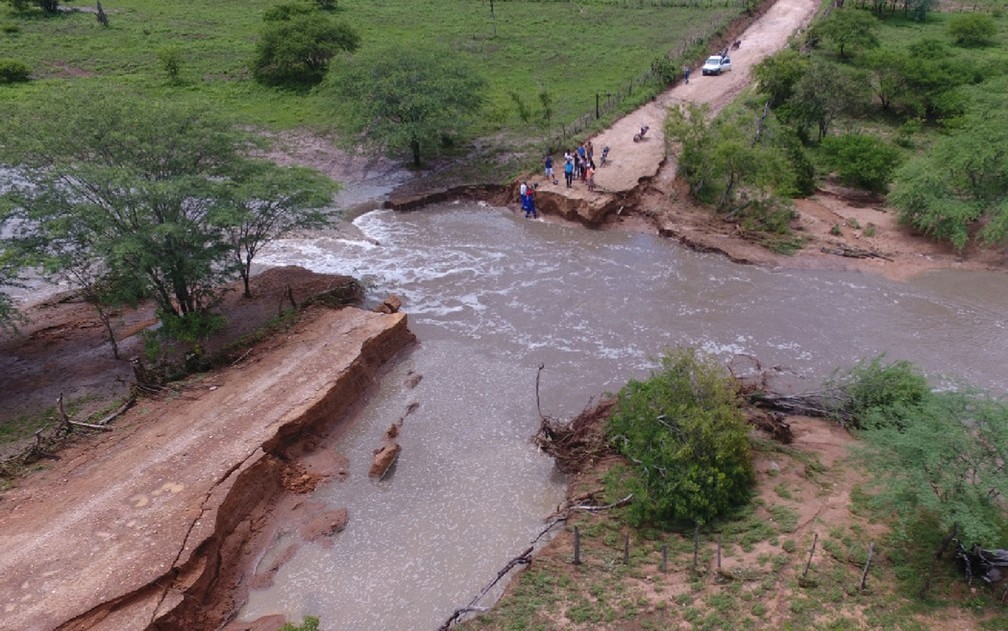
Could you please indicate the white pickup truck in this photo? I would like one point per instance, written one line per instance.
(716, 64)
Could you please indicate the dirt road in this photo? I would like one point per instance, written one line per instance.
(113, 535)
(629, 162)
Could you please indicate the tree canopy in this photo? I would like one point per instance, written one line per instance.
(407, 99)
(684, 433)
(145, 194)
(849, 29)
(296, 45)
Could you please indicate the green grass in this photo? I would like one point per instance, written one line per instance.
(571, 50)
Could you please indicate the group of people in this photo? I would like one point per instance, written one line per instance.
(579, 164)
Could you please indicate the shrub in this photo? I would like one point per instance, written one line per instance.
(171, 63)
(972, 29)
(883, 395)
(287, 11)
(308, 623)
(862, 160)
(14, 71)
(296, 52)
(685, 434)
(10, 28)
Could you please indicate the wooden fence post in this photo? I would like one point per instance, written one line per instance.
(577, 546)
(815, 540)
(867, 565)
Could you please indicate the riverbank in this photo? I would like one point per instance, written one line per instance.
(153, 526)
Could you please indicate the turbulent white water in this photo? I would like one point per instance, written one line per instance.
(490, 297)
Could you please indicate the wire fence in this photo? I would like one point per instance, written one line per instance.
(664, 72)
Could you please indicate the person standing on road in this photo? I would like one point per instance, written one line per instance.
(549, 169)
(685, 71)
(591, 176)
(569, 171)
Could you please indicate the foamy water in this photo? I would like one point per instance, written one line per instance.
(490, 296)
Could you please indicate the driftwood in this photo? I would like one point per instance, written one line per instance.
(853, 252)
(831, 404)
(525, 558)
(576, 444)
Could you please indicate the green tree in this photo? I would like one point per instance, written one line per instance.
(308, 623)
(931, 72)
(849, 29)
(825, 92)
(684, 433)
(146, 189)
(10, 267)
(778, 74)
(862, 160)
(945, 460)
(411, 99)
(972, 29)
(295, 52)
(171, 63)
(270, 202)
(735, 153)
(961, 180)
(885, 71)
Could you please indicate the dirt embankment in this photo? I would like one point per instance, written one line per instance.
(154, 525)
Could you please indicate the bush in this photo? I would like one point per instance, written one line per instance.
(972, 29)
(296, 52)
(883, 395)
(287, 11)
(171, 63)
(685, 434)
(10, 28)
(308, 623)
(862, 160)
(14, 71)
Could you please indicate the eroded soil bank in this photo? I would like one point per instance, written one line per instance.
(149, 527)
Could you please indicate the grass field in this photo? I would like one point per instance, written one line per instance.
(573, 50)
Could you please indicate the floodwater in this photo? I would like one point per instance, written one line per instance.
(491, 296)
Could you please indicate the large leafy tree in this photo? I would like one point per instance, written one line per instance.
(142, 195)
(849, 30)
(778, 74)
(736, 153)
(684, 433)
(407, 99)
(296, 45)
(945, 460)
(823, 93)
(963, 179)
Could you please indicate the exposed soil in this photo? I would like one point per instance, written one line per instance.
(160, 518)
(158, 523)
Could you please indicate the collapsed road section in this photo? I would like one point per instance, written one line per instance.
(140, 529)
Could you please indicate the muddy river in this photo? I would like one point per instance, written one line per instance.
(491, 296)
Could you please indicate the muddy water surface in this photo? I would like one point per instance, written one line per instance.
(490, 297)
